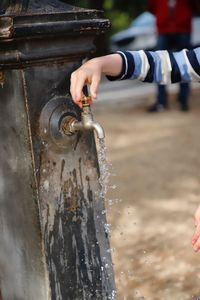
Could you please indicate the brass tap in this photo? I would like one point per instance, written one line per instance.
(71, 125)
(86, 101)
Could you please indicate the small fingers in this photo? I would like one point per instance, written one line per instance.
(94, 86)
(89, 73)
(78, 81)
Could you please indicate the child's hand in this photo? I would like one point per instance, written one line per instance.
(196, 235)
(88, 73)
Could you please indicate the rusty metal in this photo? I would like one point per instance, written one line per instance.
(66, 124)
(6, 27)
(56, 110)
(54, 243)
(2, 78)
(86, 100)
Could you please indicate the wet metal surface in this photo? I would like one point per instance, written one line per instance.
(75, 249)
(53, 239)
(21, 256)
(72, 221)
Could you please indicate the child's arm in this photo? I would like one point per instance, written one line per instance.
(160, 66)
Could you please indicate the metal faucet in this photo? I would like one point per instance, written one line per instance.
(71, 125)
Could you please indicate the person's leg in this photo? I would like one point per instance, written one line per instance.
(183, 41)
(162, 96)
(161, 102)
(183, 96)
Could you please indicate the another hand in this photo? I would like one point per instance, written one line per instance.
(196, 235)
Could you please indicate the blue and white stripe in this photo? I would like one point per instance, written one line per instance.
(163, 67)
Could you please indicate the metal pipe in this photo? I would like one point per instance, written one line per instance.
(70, 125)
(76, 126)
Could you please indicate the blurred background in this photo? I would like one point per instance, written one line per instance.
(133, 27)
(154, 183)
(120, 13)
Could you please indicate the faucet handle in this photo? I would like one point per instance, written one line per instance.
(86, 100)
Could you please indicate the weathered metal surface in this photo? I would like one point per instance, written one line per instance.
(42, 52)
(6, 27)
(15, 27)
(54, 243)
(22, 261)
(46, 22)
(73, 219)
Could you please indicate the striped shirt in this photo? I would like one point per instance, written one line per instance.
(163, 67)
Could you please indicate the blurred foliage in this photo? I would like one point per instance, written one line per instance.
(120, 13)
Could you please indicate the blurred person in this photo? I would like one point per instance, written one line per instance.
(174, 24)
(162, 67)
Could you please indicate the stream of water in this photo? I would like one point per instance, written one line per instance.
(104, 168)
(105, 173)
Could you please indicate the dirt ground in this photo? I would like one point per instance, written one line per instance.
(153, 192)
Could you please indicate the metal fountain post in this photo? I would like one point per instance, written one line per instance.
(54, 244)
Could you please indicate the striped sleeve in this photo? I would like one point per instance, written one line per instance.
(162, 67)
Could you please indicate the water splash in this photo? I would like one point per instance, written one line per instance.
(105, 172)
(113, 295)
(104, 168)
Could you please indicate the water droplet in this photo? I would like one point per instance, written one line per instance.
(113, 295)
(113, 186)
(110, 202)
(46, 185)
(107, 228)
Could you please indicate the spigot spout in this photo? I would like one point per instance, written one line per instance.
(87, 123)
(72, 125)
(99, 130)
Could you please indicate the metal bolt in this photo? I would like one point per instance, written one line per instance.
(66, 125)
